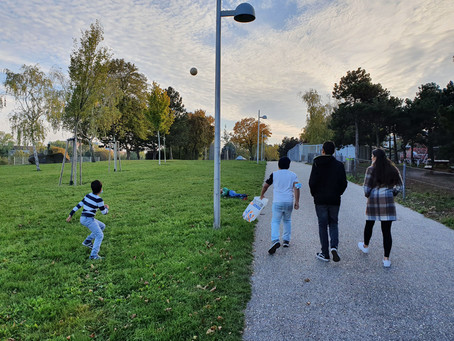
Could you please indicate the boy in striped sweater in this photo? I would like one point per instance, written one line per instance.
(91, 203)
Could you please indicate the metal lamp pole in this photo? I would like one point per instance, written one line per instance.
(243, 13)
(258, 134)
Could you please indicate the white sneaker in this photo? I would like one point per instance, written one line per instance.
(386, 263)
(362, 248)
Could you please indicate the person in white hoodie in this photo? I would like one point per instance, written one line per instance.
(286, 196)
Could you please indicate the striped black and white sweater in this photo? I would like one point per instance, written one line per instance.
(90, 203)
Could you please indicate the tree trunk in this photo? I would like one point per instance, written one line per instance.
(115, 154)
(159, 148)
(389, 149)
(170, 153)
(73, 180)
(80, 164)
(395, 148)
(165, 156)
(138, 154)
(35, 154)
(128, 154)
(92, 152)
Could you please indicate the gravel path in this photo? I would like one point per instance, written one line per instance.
(298, 297)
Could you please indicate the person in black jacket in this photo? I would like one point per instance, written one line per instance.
(327, 183)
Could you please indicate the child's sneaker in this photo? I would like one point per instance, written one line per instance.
(88, 243)
(335, 254)
(96, 257)
(274, 247)
(286, 243)
(386, 263)
(322, 257)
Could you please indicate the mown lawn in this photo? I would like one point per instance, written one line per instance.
(167, 274)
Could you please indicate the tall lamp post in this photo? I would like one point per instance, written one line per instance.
(258, 134)
(243, 13)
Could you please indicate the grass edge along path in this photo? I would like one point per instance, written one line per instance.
(167, 275)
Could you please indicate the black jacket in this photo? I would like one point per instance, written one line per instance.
(328, 180)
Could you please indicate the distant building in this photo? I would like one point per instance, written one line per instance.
(307, 152)
(24, 149)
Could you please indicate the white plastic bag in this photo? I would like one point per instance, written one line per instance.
(254, 208)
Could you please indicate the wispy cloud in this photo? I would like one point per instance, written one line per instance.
(291, 47)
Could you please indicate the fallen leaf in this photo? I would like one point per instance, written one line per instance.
(133, 316)
(213, 289)
(307, 280)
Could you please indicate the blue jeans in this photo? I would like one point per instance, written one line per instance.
(281, 211)
(96, 227)
(328, 217)
(234, 194)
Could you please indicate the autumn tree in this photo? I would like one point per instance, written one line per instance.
(37, 102)
(200, 132)
(272, 152)
(317, 128)
(245, 133)
(158, 112)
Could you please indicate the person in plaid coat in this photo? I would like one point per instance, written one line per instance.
(382, 183)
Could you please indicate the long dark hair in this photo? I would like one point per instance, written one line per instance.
(384, 172)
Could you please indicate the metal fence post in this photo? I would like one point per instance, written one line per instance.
(404, 177)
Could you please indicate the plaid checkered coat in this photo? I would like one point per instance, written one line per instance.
(380, 200)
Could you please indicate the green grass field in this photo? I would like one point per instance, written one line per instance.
(167, 274)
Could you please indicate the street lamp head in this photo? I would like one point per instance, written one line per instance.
(244, 13)
(264, 117)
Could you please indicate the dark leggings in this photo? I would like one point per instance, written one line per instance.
(385, 229)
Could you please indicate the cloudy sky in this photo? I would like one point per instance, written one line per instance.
(291, 47)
